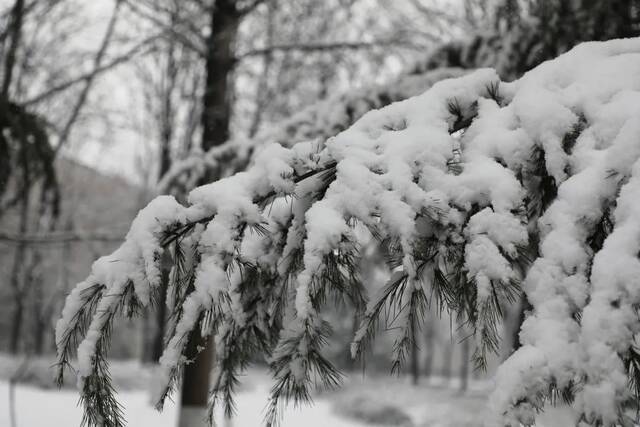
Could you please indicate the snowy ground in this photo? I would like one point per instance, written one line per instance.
(375, 400)
(435, 403)
(39, 408)
(427, 406)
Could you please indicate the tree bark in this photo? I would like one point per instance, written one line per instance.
(17, 13)
(16, 276)
(429, 336)
(39, 329)
(16, 325)
(36, 300)
(216, 117)
(220, 60)
(195, 384)
(157, 346)
(415, 363)
(464, 365)
(447, 359)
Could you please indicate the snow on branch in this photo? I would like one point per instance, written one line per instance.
(475, 190)
(316, 122)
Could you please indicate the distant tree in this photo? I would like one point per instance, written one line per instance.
(29, 141)
(24, 145)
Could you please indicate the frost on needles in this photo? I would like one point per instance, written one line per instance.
(476, 190)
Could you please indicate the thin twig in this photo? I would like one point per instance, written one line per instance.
(88, 82)
(318, 47)
(138, 49)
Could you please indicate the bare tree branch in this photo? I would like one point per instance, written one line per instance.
(88, 82)
(7, 15)
(435, 13)
(138, 49)
(251, 6)
(189, 23)
(197, 46)
(318, 47)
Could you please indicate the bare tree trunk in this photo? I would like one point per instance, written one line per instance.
(157, 344)
(216, 114)
(13, 33)
(193, 119)
(36, 300)
(17, 13)
(464, 365)
(429, 336)
(195, 384)
(15, 280)
(415, 363)
(52, 306)
(16, 325)
(148, 328)
(216, 117)
(39, 329)
(447, 359)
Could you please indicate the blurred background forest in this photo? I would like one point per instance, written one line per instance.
(105, 104)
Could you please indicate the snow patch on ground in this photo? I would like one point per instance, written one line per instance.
(60, 408)
(435, 403)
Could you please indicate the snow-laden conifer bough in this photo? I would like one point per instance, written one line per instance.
(318, 121)
(475, 189)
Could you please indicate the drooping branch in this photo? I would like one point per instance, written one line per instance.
(259, 254)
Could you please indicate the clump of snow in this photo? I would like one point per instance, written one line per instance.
(590, 81)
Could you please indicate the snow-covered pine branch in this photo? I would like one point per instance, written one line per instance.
(476, 188)
(318, 121)
(513, 46)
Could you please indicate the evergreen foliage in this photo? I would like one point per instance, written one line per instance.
(26, 158)
(471, 190)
